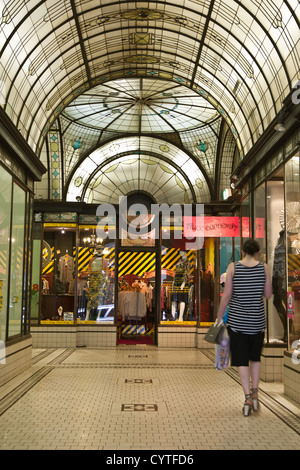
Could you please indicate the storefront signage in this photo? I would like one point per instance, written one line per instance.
(259, 227)
(209, 226)
(290, 304)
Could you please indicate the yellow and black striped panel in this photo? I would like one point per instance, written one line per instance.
(84, 257)
(17, 260)
(138, 263)
(50, 266)
(293, 262)
(3, 261)
(137, 330)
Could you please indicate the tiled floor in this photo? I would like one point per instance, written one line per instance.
(139, 398)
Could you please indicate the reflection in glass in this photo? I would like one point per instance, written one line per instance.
(178, 271)
(95, 281)
(58, 274)
(292, 225)
(276, 252)
(5, 208)
(16, 267)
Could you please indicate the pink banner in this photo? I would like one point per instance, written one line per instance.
(209, 226)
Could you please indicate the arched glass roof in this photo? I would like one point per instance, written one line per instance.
(143, 164)
(86, 71)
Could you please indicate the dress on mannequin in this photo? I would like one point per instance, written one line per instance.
(180, 287)
(66, 268)
(279, 282)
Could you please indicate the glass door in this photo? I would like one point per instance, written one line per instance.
(136, 296)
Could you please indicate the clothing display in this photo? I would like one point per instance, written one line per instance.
(180, 286)
(279, 282)
(45, 289)
(132, 305)
(66, 268)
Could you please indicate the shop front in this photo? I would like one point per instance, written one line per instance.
(19, 168)
(271, 202)
(157, 289)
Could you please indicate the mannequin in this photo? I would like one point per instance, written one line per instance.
(180, 286)
(279, 282)
(66, 268)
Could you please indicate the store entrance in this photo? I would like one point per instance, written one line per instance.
(137, 296)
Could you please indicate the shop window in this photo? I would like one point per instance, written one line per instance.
(5, 214)
(17, 261)
(292, 227)
(58, 274)
(259, 217)
(276, 256)
(246, 217)
(95, 278)
(36, 272)
(178, 270)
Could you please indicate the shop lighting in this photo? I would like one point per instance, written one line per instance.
(93, 244)
(279, 127)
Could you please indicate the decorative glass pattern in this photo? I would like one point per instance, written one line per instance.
(242, 57)
(146, 164)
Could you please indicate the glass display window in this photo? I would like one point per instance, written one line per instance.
(95, 278)
(246, 217)
(58, 274)
(259, 218)
(5, 221)
(178, 276)
(292, 228)
(136, 295)
(17, 261)
(276, 258)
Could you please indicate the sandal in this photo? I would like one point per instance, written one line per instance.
(254, 398)
(247, 405)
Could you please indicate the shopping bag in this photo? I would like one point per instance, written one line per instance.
(223, 351)
(214, 334)
(225, 318)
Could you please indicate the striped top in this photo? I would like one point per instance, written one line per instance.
(246, 308)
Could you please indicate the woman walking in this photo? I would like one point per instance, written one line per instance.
(247, 281)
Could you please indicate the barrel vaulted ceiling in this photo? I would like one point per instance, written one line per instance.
(163, 97)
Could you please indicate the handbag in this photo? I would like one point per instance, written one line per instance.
(215, 333)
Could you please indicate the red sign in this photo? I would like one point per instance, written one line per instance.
(210, 226)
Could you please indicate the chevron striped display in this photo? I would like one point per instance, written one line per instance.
(136, 330)
(136, 263)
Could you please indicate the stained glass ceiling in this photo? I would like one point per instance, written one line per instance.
(141, 105)
(207, 74)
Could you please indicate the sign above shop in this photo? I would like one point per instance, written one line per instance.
(210, 226)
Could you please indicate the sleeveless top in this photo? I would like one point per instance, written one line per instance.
(246, 308)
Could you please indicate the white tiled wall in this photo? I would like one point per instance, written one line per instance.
(291, 378)
(16, 358)
(73, 336)
(272, 364)
(97, 336)
(178, 337)
(54, 336)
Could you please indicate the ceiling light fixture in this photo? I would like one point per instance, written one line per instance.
(93, 244)
(279, 127)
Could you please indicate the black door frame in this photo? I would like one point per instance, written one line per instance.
(148, 249)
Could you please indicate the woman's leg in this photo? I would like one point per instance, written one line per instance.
(255, 373)
(244, 374)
